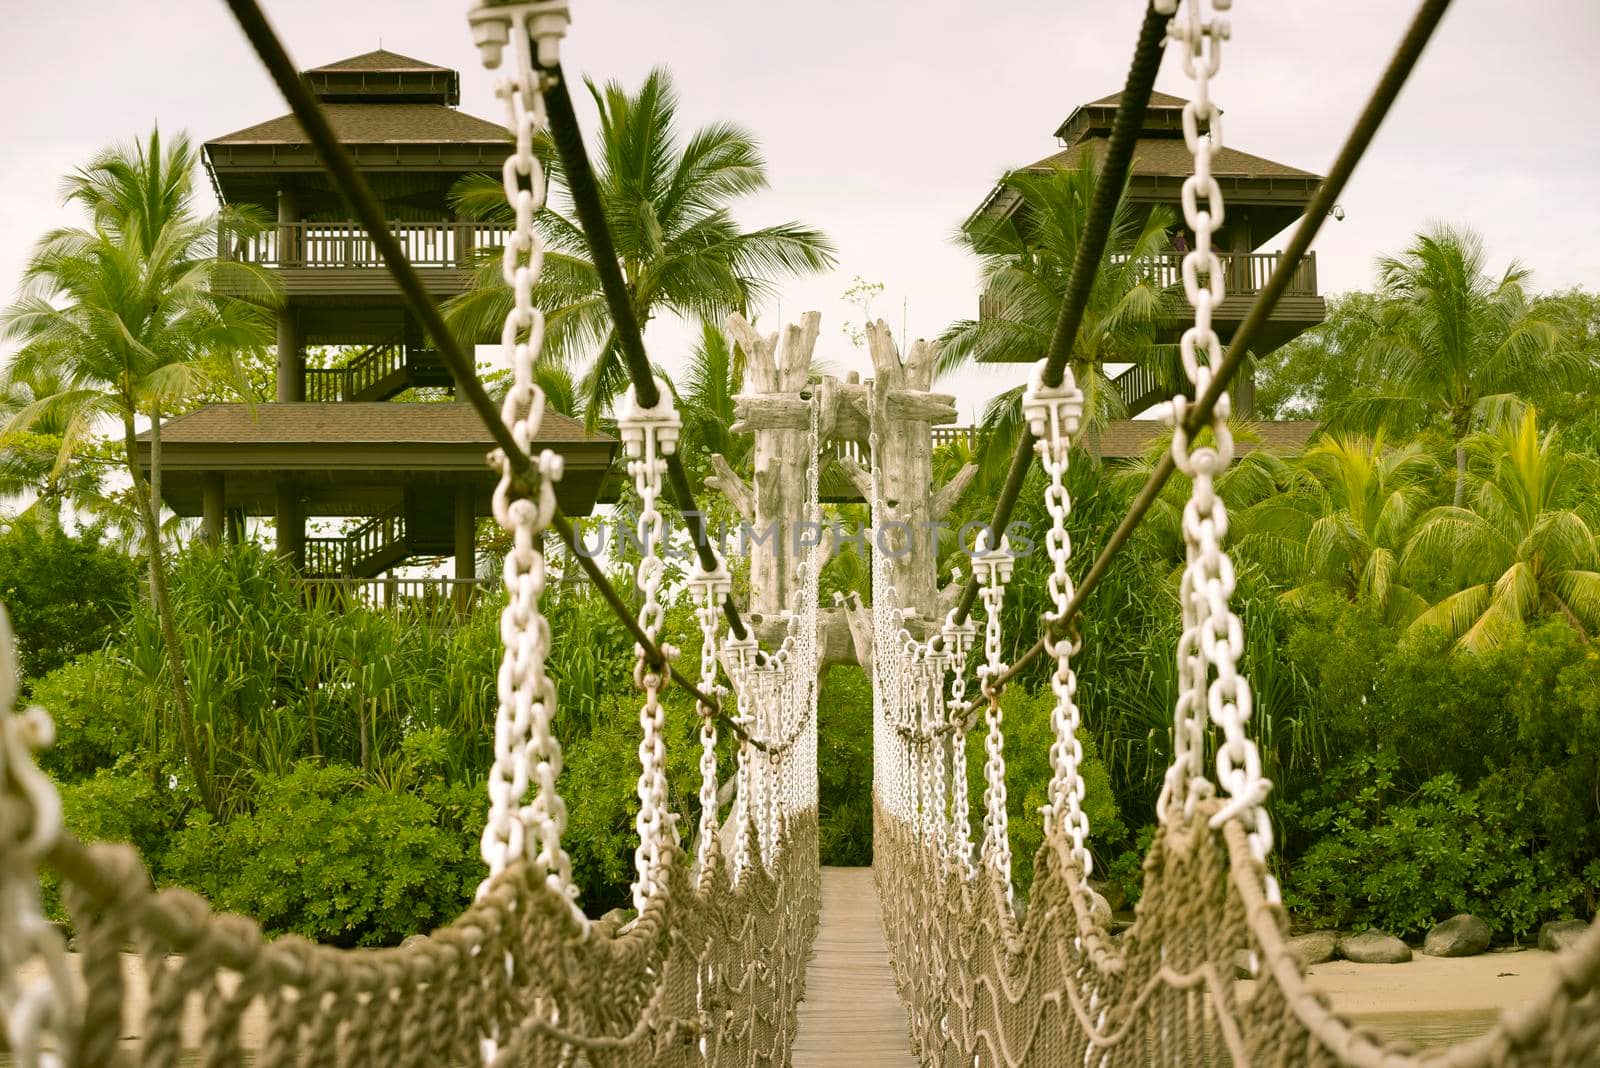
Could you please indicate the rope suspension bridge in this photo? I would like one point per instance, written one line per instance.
(712, 968)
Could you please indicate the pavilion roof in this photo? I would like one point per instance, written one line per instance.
(377, 123)
(378, 60)
(1169, 157)
(1124, 439)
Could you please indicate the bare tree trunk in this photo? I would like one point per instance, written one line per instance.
(148, 512)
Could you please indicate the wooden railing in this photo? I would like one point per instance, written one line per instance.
(342, 557)
(365, 370)
(1245, 272)
(1246, 275)
(346, 244)
(427, 596)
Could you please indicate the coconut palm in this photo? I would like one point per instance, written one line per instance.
(1453, 346)
(126, 313)
(1343, 520)
(43, 459)
(668, 205)
(1026, 260)
(1524, 545)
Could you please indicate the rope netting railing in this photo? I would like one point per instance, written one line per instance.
(709, 968)
(987, 982)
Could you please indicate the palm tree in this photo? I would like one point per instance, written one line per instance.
(44, 457)
(1350, 504)
(1453, 346)
(667, 202)
(1524, 545)
(126, 312)
(1026, 260)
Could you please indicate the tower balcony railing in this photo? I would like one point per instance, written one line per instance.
(346, 244)
(1246, 274)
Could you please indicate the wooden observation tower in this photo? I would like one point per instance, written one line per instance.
(338, 440)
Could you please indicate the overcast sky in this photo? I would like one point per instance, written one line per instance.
(884, 123)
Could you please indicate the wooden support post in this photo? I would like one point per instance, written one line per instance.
(211, 508)
(291, 521)
(466, 547)
(235, 526)
(291, 369)
(782, 453)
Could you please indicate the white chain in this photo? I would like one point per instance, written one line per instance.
(44, 1007)
(525, 749)
(992, 567)
(741, 654)
(1213, 638)
(958, 640)
(649, 436)
(1053, 414)
(707, 590)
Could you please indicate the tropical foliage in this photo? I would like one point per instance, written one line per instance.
(669, 203)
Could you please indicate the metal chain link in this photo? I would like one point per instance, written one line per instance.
(649, 436)
(707, 590)
(1053, 414)
(1212, 640)
(525, 749)
(992, 567)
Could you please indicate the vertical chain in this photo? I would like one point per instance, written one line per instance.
(1213, 638)
(958, 639)
(1053, 414)
(649, 436)
(741, 653)
(707, 590)
(525, 749)
(992, 567)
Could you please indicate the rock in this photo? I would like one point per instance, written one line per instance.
(1099, 909)
(1112, 892)
(1459, 936)
(1315, 947)
(1559, 934)
(413, 940)
(1373, 946)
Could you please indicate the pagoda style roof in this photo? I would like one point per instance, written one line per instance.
(377, 124)
(348, 454)
(379, 60)
(1166, 157)
(394, 115)
(1276, 192)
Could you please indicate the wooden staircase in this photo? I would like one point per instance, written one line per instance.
(377, 373)
(381, 542)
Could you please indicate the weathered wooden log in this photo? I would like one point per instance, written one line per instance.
(731, 486)
(949, 493)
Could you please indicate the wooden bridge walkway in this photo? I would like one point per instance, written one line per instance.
(851, 1014)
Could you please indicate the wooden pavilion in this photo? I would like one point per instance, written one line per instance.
(338, 440)
(1263, 198)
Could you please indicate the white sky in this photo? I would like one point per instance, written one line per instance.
(885, 123)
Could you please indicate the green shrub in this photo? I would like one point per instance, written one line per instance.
(844, 767)
(119, 804)
(97, 706)
(1403, 863)
(327, 857)
(65, 593)
(1028, 737)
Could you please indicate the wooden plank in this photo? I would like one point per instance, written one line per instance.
(851, 1014)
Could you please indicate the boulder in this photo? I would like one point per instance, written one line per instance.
(413, 940)
(1459, 936)
(1373, 946)
(1315, 947)
(1559, 934)
(1099, 909)
(1112, 892)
